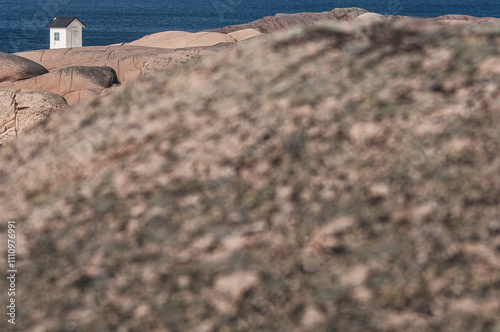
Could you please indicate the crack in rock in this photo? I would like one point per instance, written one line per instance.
(16, 120)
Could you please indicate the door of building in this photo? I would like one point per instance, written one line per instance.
(74, 37)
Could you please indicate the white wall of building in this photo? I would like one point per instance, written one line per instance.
(61, 43)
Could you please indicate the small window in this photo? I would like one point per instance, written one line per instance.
(56, 36)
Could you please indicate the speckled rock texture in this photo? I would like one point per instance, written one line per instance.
(23, 109)
(330, 178)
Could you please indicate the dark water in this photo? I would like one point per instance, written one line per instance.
(22, 22)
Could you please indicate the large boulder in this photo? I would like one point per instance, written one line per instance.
(279, 22)
(347, 14)
(466, 19)
(14, 67)
(73, 83)
(182, 39)
(171, 60)
(370, 17)
(287, 21)
(126, 60)
(456, 18)
(22, 109)
(333, 178)
(244, 34)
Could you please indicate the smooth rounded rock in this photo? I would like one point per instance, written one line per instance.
(70, 82)
(14, 67)
(370, 17)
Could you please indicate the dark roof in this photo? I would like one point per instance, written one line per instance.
(62, 22)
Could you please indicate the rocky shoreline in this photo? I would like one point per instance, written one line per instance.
(338, 176)
(160, 51)
(84, 73)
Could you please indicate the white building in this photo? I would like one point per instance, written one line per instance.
(65, 32)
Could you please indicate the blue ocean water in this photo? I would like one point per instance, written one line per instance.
(22, 22)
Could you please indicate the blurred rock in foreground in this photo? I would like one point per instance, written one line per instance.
(331, 178)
